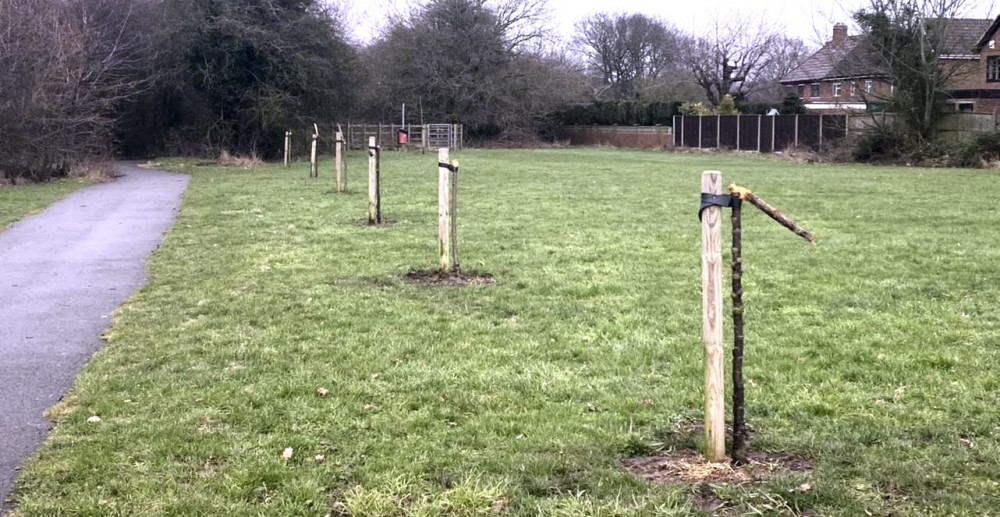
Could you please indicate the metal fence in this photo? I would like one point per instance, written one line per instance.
(425, 136)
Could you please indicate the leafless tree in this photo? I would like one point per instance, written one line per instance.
(785, 55)
(912, 40)
(66, 67)
(471, 61)
(731, 58)
(627, 52)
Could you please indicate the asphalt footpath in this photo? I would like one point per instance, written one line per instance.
(63, 272)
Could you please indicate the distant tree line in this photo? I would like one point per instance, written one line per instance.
(85, 78)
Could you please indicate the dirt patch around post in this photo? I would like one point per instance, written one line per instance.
(680, 462)
(690, 467)
(456, 278)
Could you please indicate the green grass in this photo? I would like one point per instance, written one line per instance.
(21, 200)
(875, 352)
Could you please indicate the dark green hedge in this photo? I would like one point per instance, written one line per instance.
(625, 113)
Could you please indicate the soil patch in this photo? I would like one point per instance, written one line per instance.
(682, 463)
(386, 223)
(436, 277)
(690, 467)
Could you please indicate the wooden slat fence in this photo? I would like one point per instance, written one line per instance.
(771, 133)
(762, 133)
(637, 137)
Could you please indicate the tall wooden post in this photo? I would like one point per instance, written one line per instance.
(313, 166)
(711, 326)
(374, 194)
(338, 162)
(288, 146)
(444, 211)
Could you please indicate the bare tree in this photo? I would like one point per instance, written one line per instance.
(786, 54)
(67, 65)
(470, 61)
(913, 39)
(627, 52)
(731, 58)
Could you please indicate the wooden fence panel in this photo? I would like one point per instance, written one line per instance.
(636, 137)
(709, 132)
(785, 131)
(748, 132)
(766, 134)
(729, 131)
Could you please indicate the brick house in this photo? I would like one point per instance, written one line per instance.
(845, 75)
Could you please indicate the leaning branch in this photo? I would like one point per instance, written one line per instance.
(747, 195)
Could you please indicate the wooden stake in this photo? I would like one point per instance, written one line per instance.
(288, 146)
(313, 167)
(338, 162)
(444, 212)
(711, 283)
(739, 423)
(455, 262)
(374, 196)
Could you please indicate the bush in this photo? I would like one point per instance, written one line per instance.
(879, 145)
(892, 145)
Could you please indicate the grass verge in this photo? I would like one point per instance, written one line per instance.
(18, 201)
(874, 353)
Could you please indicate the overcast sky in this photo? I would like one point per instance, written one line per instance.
(808, 20)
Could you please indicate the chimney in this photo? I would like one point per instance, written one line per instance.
(839, 33)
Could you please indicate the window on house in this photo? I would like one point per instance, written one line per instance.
(993, 44)
(993, 69)
(802, 91)
(836, 89)
(868, 86)
(854, 89)
(965, 107)
(814, 90)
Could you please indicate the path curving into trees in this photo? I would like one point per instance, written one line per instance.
(63, 272)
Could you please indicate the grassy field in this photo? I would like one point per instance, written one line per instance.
(17, 202)
(875, 353)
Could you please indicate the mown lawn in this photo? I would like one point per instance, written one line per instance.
(876, 352)
(21, 200)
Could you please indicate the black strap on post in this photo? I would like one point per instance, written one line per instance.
(452, 168)
(372, 149)
(710, 200)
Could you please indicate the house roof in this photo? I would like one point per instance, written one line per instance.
(987, 34)
(964, 35)
(854, 57)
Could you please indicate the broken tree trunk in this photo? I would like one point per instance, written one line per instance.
(739, 423)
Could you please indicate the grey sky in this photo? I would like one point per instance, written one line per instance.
(809, 20)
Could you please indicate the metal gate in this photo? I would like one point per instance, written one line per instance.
(444, 135)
